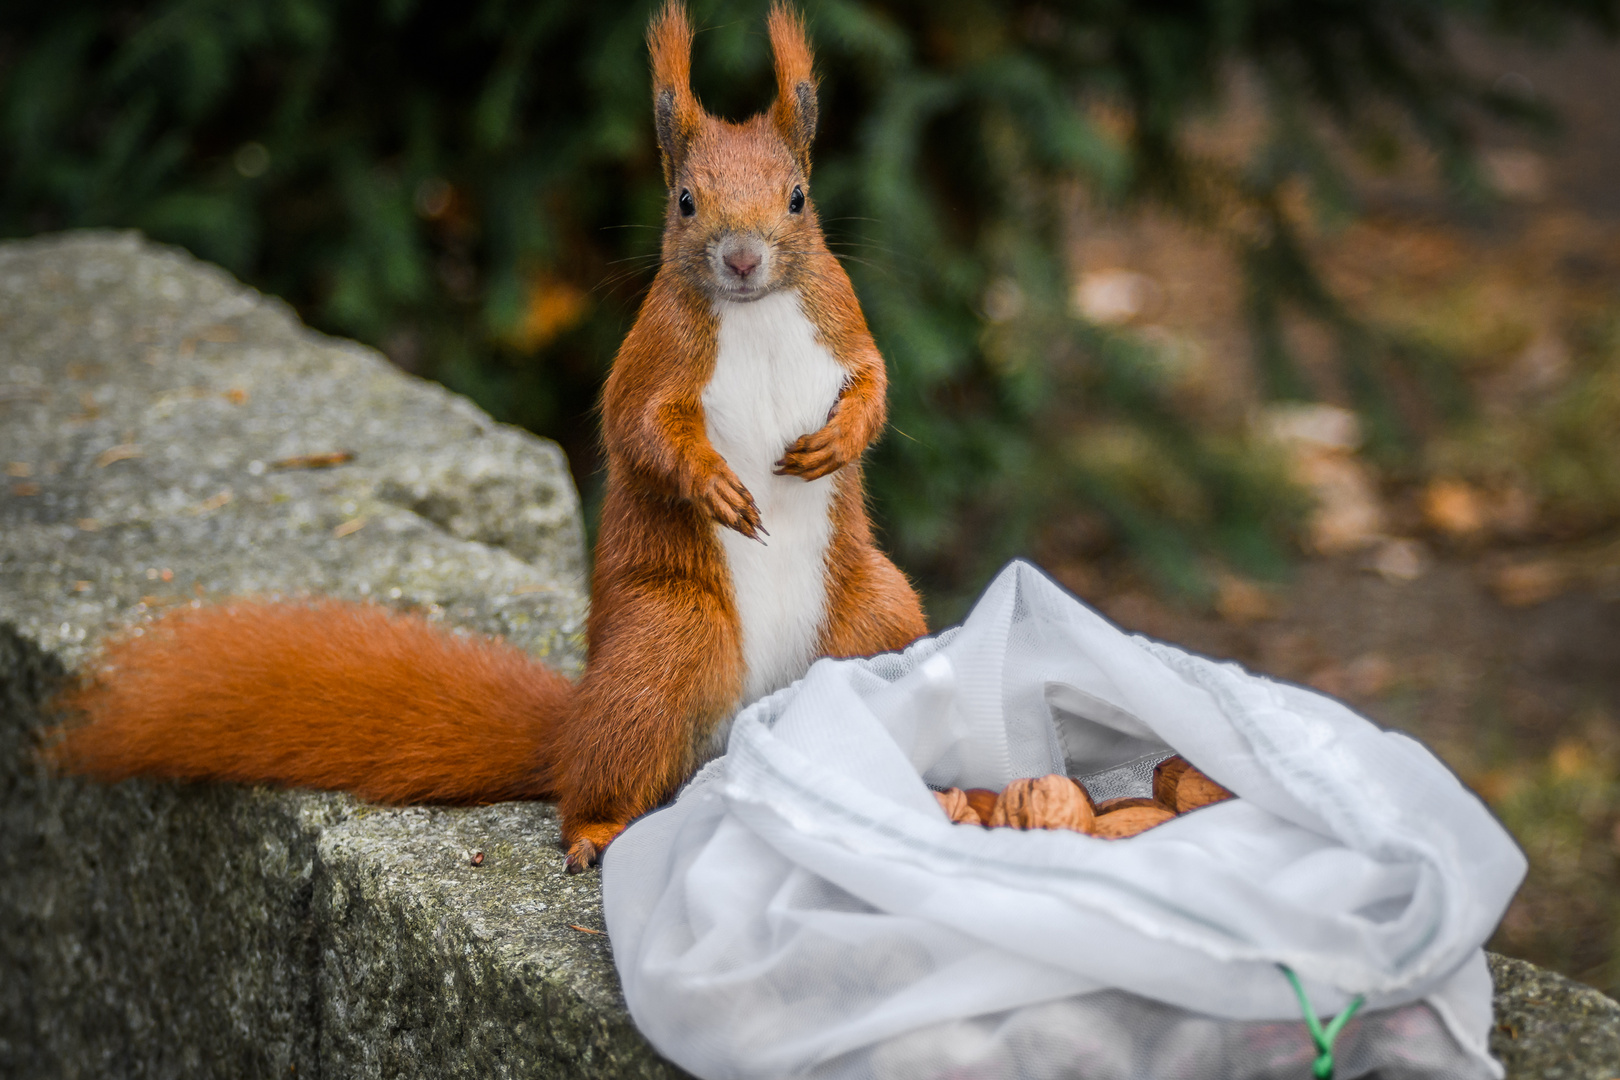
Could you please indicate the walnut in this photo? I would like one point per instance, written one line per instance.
(1108, 806)
(1044, 802)
(1177, 783)
(983, 801)
(956, 806)
(1130, 820)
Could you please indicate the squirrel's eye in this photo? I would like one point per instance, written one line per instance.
(796, 200)
(688, 207)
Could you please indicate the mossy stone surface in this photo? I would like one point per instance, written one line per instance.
(1552, 1028)
(146, 400)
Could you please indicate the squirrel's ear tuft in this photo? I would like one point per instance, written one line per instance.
(795, 110)
(676, 111)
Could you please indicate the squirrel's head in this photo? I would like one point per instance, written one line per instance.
(740, 223)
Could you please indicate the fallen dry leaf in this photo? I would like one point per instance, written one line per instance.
(1319, 442)
(1327, 428)
(1239, 601)
(1348, 515)
(315, 461)
(1399, 560)
(1328, 678)
(1495, 785)
(25, 488)
(1454, 508)
(1570, 758)
(1528, 583)
(349, 528)
(1369, 675)
(121, 452)
(1516, 173)
(1114, 297)
(213, 502)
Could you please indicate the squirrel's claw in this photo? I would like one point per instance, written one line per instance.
(810, 466)
(732, 505)
(582, 856)
(747, 520)
(813, 456)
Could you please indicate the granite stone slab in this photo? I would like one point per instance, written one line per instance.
(157, 424)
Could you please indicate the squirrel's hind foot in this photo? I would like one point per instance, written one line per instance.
(585, 851)
(582, 856)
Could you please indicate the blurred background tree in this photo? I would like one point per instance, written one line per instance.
(474, 189)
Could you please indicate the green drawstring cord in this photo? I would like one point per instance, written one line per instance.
(1322, 1069)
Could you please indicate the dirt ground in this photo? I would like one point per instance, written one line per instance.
(1471, 597)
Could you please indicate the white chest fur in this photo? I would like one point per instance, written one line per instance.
(773, 382)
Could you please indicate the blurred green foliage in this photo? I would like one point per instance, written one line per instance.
(1562, 447)
(1565, 811)
(474, 188)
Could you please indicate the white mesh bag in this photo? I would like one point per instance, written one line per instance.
(805, 908)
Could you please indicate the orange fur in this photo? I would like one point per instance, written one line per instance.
(794, 112)
(348, 696)
(676, 111)
(321, 695)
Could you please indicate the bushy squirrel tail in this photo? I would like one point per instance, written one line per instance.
(319, 694)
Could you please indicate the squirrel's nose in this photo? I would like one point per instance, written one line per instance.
(742, 263)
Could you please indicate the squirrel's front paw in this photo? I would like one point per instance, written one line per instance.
(815, 455)
(727, 501)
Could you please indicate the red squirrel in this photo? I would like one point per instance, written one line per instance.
(734, 547)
